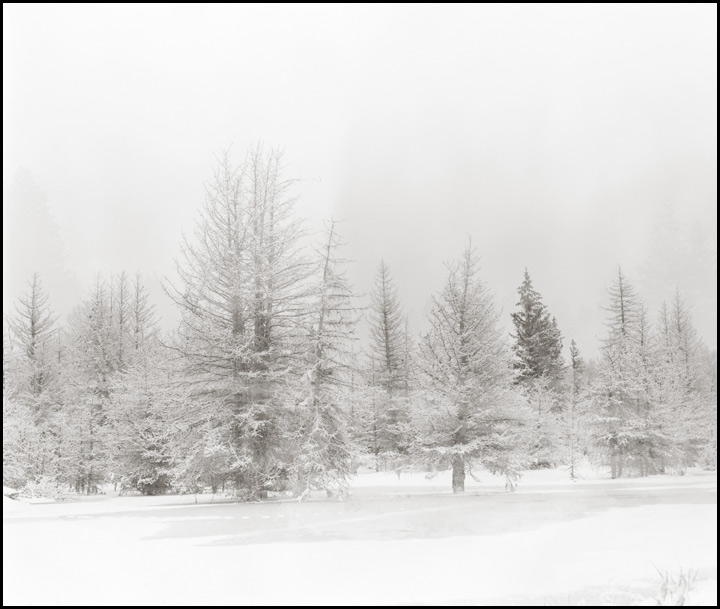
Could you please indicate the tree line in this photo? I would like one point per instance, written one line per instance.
(265, 386)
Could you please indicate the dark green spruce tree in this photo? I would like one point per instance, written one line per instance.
(538, 341)
(539, 368)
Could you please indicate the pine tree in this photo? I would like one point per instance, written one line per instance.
(468, 373)
(538, 360)
(538, 342)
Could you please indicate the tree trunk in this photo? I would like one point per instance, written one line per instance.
(458, 475)
(376, 447)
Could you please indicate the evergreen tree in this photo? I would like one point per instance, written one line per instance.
(538, 342)
(539, 363)
(468, 373)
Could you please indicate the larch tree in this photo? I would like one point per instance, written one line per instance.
(34, 326)
(389, 365)
(91, 363)
(626, 423)
(140, 412)
(35, 374)
(120, 294)
(467, 369)
(20, 437)
(316, 426)
(683, 385)
(573, 416)
(242, 298)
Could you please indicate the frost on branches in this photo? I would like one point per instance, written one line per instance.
(472, 413)
(654, 402)
(315, 429)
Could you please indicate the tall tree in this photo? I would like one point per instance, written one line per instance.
(120, 291)
(389, 365)
(34, 326)
(92, 361)
(242, 301)
(317, 428)
(573, 416)
(35, 379)
(627, 425)
(142, 392)
(20, 438)
(468, 371)
(539, 364)
(538, 341)
(683, 386)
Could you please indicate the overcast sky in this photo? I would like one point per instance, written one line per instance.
(565, 139)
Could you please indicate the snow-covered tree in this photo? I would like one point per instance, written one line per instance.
(242, 302)
(34, 326)
(91, 363)
(35, 389)
(471, 403)
(316, 427)
(627, 423)
(140, 412)
(20, 437)
(390, 368)
(537, 339)
(545, 423)
(683, 385)
(574, 415)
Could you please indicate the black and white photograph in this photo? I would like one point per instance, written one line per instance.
(360, 304)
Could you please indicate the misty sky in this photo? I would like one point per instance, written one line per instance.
(568, 139)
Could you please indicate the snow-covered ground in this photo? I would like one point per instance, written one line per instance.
(396, 541)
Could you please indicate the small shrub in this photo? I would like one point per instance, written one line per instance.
(675, 589)
(46, 487)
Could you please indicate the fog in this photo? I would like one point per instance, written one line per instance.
(565, 139)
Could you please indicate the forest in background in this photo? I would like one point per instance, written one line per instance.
(265, 387)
